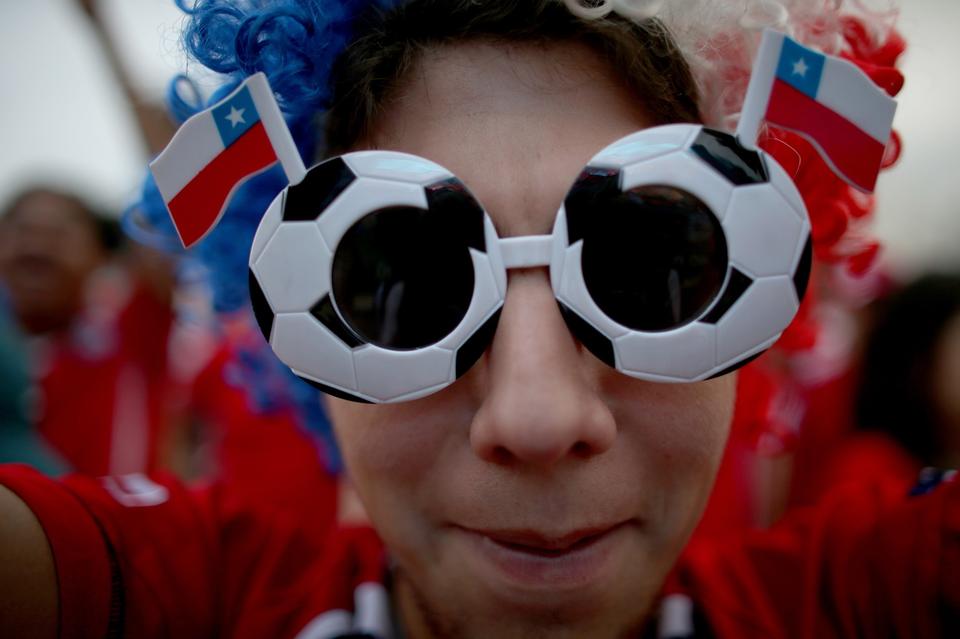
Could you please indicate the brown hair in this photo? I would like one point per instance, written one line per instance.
(389, 44)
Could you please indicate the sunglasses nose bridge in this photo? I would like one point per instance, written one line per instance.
(527, 251)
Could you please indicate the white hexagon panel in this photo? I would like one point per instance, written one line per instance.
(763, 231)
(645, 145)
(389, 376)
(396, 167)
(680, 355)
(301, 342)
(762, 313)
(268, 226)
(294, 267)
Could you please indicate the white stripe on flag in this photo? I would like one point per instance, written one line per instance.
(194, 146)
(847, 90)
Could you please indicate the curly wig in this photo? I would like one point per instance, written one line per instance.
(333, 63)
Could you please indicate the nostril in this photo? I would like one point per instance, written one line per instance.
(500, 455)
(581, 449)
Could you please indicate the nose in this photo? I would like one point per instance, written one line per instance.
(540, 405)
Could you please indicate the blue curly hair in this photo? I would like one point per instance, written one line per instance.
(296, 43)
(330, 64)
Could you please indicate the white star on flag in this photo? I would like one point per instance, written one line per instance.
(800, 68)
(236, 116)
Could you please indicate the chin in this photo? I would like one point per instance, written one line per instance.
(555, 623)
(596, 590)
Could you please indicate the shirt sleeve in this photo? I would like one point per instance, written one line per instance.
(80, 552)
(865, 562)
(134, 556)
(147, 557)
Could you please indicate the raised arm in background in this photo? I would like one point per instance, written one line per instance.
(155, 125)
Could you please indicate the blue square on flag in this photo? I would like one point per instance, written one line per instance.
(800, 67)
(235, 116)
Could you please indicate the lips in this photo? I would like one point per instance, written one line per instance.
(538, 561)
(537, 543)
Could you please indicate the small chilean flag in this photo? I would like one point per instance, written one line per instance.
(828, 100)
(215, 150)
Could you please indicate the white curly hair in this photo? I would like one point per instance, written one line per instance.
(719, 38)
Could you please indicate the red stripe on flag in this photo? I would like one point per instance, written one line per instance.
(853, 152)
(197, 207)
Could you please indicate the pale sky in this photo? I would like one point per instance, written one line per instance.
(63, 117)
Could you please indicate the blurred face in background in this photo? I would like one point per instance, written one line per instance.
(946, 387)
(49, 246)
(544, 493)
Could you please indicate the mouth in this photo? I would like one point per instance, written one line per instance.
(534, 560)
(543, 545)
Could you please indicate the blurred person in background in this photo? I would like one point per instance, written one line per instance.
(19, 440)
(51, 242)
(96, 322)
(890, 408)
(131, 375)
(910, 381)
(270, 448)
(153, 123)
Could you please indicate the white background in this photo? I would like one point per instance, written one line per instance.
(63, 117)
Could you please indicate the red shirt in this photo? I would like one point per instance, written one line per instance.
(105, 391)
(161, 561)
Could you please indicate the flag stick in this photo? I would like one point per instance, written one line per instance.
(276, 128)
(758, 91)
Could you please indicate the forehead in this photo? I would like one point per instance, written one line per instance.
(48, 209)
(516, 123)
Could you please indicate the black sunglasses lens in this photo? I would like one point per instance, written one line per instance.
(401, 277)
(654, 257)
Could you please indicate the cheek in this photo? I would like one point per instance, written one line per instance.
(399, 460)
(78, 254)
(391, 449)
(676, 434)
(676, 421)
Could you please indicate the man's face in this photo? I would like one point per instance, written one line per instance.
(48, 249)
(544, 492)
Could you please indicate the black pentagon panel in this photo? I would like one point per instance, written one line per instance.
(724, 153)
(320, 186)
(261, 308)
(594, 340)
(327, 315)
(334, 392)
(451, 198)
(734, 290)
(737, 366)
(802, 277)
(593, 190)
(473, 348)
